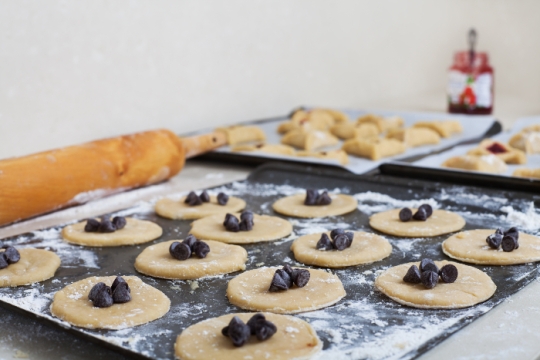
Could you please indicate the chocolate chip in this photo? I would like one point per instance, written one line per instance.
(290, 271)
(246, 215)
(413, 275)
(119, 222)
(231, 223)
(302, 277)
(101, 297)
(350, 236)
(509, 243)
(405, 214)
(265, 330)
(286, 277)
(324, 199)
(194, 200)
(3, 261)
(277, 283)
(311, 197)
(121, 294)
(245, 225)
(341, 242)
(430, 279)
(100, 286)
(513, 232)
(190, 240)
(117, 281)
(225, 331)
(191, 197)
(204, 196)
(336, 232)
(106, 226)
(448, 273)
(92, 225)
(222, 199)
(428, 265)
(421, 214)
(494, 240)
(324, 243)
(180, 251)
(12, 255)
(201, 249)
(499, 231)
(238, 332)
(427, 208)
(255, 321)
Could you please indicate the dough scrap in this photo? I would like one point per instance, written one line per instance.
(147, 303)
(34, 266)
(172, 209)
(294, 339)
(366, 248)
(374, 148)
(439, 223)
(249, 291)
(242, 134)
(471, 247)
(510, 156)
(156, 261)
(135, 232)
(308, 140)
(338, 155)
(414, 136)
(484, 163)
(294, 206)
(471, 287)
(265, 228)
(528, 173)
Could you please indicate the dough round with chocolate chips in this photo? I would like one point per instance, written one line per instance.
(265, 228)
(179, 210)
(294, 339)
(439, 223)
(156, 261)
(470, 246)
(147, 303)
(365, 249)
(135, 232)
(34, 266)
(294, 206)
(471, 287)
(249, 291)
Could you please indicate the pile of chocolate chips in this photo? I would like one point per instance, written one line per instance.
(239, 332)
(232, 224)
(189, 246)
(193, 200)
(286, 277)
(422, 214)
(314, 198)
(508, 239)
(429, 273)
(9, 256)
(106, 225)
(103, 296)
(341, 240)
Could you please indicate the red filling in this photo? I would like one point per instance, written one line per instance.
(496, 148)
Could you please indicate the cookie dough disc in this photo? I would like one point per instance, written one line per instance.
(249, 291)
(470, 246)
(156, 261)
(471, 287)
(365, 249)
(265, 228)
(294, 339)
(147, 303)
(294, 206)
(440, 222)
(35, 265)
(179, 210)
(135, 232)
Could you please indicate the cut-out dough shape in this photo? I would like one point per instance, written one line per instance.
(528, 140)
(413, 137)
(351, 130)
(34, 266)
(309, 140)
(172, 209)
(294, 206)
(241, 134)
(444, 128)
(485, 163)
(374, 148)
(509, 156)
(384, 124)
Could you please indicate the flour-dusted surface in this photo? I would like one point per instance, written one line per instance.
(365, 324)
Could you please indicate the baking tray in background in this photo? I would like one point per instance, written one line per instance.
(475, 128)
(365, 324)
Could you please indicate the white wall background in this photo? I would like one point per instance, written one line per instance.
(73, 71)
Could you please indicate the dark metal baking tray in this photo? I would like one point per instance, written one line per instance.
(363, 324)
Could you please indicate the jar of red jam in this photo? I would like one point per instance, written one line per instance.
(470, 82)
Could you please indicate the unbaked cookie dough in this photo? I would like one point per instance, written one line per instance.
(470, 246)
(265, 228)
(249, 291)
(294, 339)
(439, 223)
(147, 303)
(365, 249)
(471, 287)
(179, 210)
(156, 261)
(294, 206)
(35, 265)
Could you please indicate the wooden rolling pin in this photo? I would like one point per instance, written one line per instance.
(51, 180)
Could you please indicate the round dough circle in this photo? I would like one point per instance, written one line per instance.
(365, 249)
(439, 223)
(470, 246)
(135, 232)
(156, 261)
(471, 287)
(249, 291)
(179, 210)
(294, 339)
(265, 228)
(294, 206)
(147, 303)
(35, 265)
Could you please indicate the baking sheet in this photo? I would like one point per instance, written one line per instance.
(473, 127)
(365, 324)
